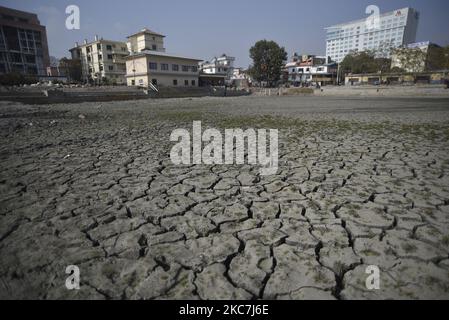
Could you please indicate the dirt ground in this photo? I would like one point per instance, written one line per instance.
(361, 182)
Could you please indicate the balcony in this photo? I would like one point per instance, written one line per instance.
(119, 52)
(118, 60)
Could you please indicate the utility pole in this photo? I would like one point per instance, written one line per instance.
(338, 74)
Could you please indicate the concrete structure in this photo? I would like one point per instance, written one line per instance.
(413, 57)
(23, 43)
(221, 66)
(217, 80)
(310, 69)
(148, 63)
(102, 60)
(395, 28)
(240, 78)
(431, 77)
(145, 40)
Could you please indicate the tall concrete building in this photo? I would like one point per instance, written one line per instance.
(102, 60)
(394, 29)
(23, 43)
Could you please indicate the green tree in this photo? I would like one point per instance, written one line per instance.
(438, 58)
(364, 62)
(71, 68)
(268, 59)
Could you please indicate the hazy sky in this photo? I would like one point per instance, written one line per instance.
(206, 28)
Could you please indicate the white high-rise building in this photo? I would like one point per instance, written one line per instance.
(393, 29)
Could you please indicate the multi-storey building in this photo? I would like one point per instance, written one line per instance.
(223, 65)
(102, 61)
(149, 64)
(23, 43)
(310, 69)
(392, 29)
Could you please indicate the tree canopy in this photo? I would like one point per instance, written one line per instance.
(438, 58)
(72, 67)
(268, 60)
(364, 62)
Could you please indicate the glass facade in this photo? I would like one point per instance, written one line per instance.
(23, 43)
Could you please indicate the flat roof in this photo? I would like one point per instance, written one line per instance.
(80, 45)
(18, 13)
(147, 31)
(160, 54)
(364, 19)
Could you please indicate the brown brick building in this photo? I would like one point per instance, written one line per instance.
(23, 43)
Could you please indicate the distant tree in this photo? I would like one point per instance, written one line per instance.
(268, 60)
(438, 58)
(382, 64)
(364, 62)
(71, 68)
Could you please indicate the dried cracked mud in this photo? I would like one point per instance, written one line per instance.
(361, 182)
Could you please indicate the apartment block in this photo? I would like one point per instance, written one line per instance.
(102, 61)
(23, 43)
(395, 28)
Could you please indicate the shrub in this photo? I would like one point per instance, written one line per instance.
(15, 79)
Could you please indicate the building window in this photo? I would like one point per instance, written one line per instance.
(154, 82)
(100, 57)
(154, 47)
(164, 66)
(186, 82)
(175, 67)
(111, 68)
(109, 56)
(194, 68)
(175, 82)
(153, 66)
(185, 68)
(101, 68)
(133, 82)
(109, 47)
(193, 83)
(98, 46)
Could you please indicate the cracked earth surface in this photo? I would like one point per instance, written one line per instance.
(361, 182)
